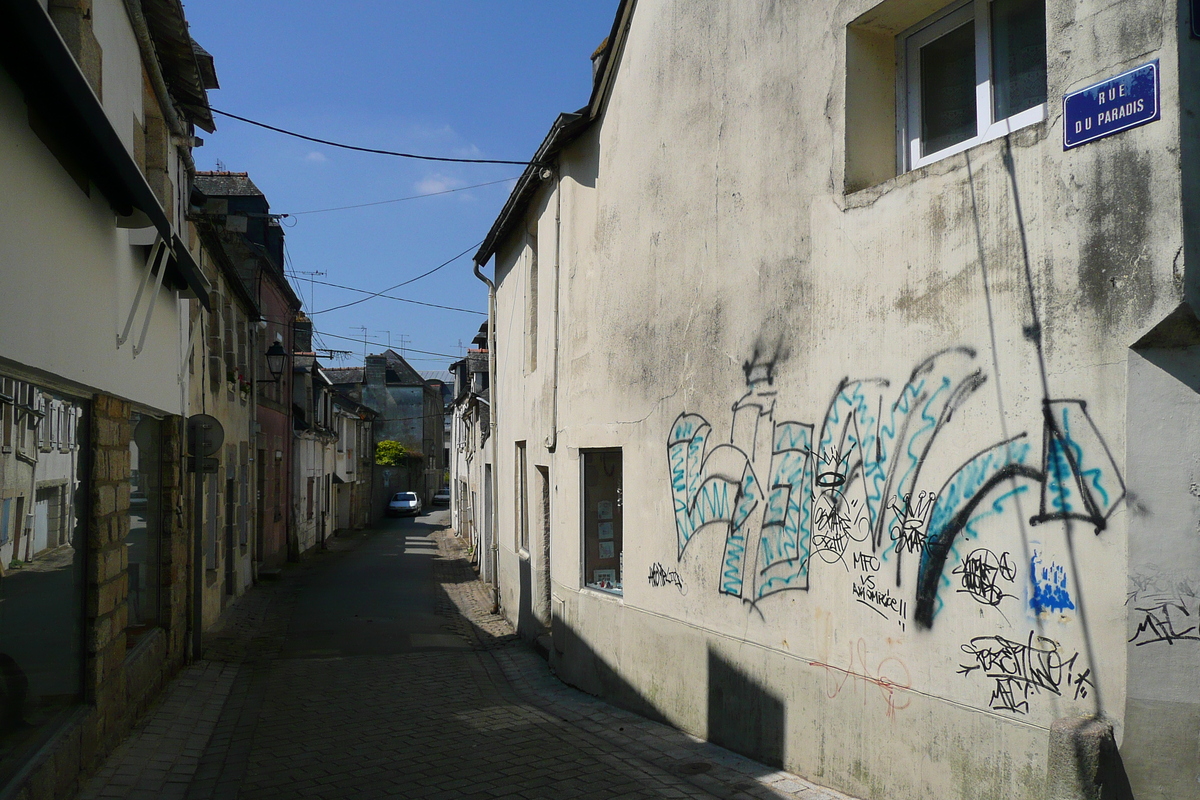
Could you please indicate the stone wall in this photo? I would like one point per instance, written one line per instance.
(119, 683)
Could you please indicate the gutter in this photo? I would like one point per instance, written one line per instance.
(141, 32)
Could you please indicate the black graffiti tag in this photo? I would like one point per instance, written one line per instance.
(661, 576)
(1022, 670)
(981, 572)
(1158, 625)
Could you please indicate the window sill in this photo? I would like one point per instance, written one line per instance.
(607, 594)
(1019, 138)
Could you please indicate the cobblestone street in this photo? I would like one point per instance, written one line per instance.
(375, 669)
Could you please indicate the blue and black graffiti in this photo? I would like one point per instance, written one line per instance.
(856, 479)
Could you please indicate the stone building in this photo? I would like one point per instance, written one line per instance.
(471, 459)
(222, 386)
(410, 412)
(845, 406)
(100, 103)
(354, 463)
(252, 239)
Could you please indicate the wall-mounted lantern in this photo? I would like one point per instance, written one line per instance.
(276, 360)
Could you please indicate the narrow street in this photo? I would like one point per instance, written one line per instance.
(375, 669)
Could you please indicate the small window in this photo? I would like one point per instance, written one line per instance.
(144, 542)
(974, 73)
(602, 520)
(522, 499)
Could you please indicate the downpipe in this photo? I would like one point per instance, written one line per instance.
(494, 546)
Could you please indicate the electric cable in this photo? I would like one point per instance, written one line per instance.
(392, 297)
(406, 349)
(369, 149)
(402, 283)
(398, 199)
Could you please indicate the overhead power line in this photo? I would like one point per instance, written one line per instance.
(399, 199)
(408, 349)
(402, 283)
(393, 297)
(376, 151)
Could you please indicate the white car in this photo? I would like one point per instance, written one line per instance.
(442, 498)
(403, 503)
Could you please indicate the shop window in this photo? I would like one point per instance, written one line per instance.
(144, 543)
(602, 520)
(42, 530)
(972, 74)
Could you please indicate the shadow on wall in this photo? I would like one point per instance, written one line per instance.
(528, 627)
(742, 715)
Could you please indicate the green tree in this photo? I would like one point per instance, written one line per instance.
(389, 453)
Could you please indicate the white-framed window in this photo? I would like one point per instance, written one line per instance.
(972, 73)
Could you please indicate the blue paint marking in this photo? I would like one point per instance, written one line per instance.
(1117, 104)
(1049, 586)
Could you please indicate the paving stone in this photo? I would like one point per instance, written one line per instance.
(480, 718)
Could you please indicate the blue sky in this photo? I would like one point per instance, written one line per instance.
(459, 78)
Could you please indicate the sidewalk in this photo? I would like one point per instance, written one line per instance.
(298, 696)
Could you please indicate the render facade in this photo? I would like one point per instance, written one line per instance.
(96, 275)
(845, 417)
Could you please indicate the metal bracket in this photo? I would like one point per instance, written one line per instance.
(158, 257)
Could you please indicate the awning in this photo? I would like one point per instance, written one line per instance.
(35, 55)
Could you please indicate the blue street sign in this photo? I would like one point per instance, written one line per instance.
(1114, 105)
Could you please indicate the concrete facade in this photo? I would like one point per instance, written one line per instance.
(897, 465)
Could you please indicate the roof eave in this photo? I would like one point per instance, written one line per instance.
(566, 129)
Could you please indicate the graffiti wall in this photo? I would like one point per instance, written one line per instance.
(864, 502)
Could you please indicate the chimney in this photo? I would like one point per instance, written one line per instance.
(302, 332)
(375, 372)
(598, 59)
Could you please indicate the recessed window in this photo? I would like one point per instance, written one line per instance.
(144, 542)
(602, 520)
(971, 74)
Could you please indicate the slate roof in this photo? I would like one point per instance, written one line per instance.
(227, 184)
(344, 375)
(443, 375)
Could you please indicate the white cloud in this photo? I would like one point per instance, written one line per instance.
(439, 183)
(315, 157)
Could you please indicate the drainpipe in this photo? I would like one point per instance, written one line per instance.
(552, 437)
(492, 423)
(141, 32)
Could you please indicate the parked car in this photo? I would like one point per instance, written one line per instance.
(442, 498)
(403, 503)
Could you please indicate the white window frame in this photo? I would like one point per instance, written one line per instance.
(908, 89)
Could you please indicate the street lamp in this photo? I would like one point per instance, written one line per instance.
(276, 359)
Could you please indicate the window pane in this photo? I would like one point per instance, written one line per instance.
(602, 519)
(948, 90)
(42, 529)
(1018, 56)
(145, 523)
